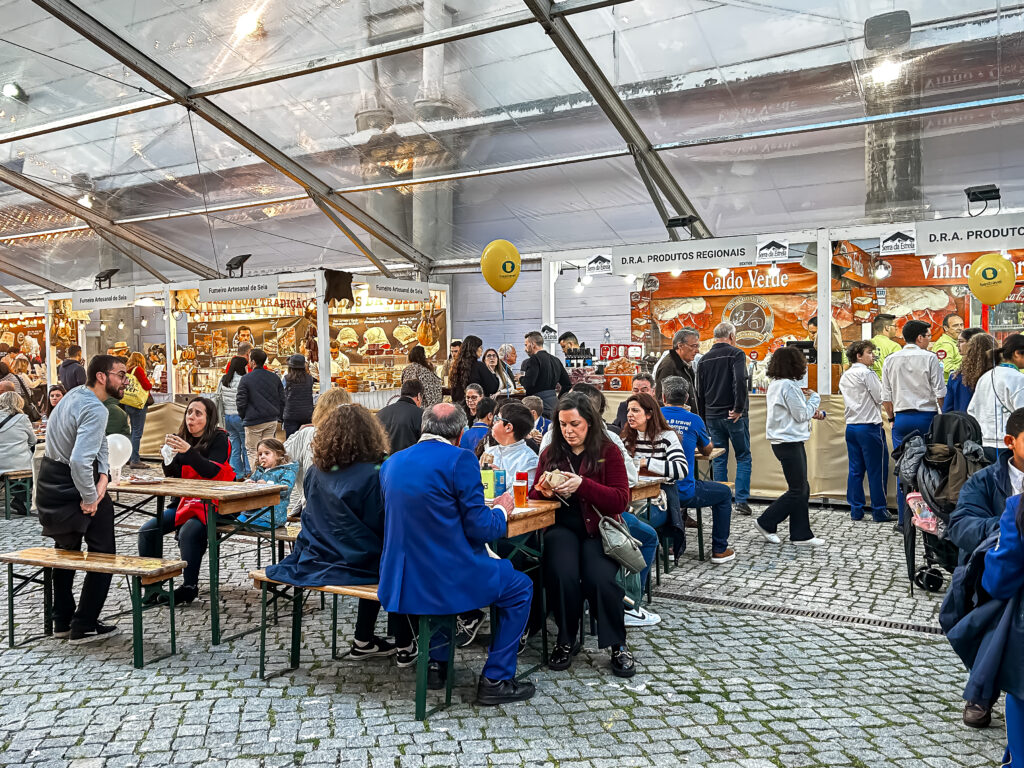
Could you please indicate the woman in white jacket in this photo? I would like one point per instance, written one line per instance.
(998, 393)
(17, 441)
(790, 410)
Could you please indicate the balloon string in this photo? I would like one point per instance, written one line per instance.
(508, 384)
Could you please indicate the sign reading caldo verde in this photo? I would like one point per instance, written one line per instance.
(685, 255)
(261, 287)
(105, 298)
(971, 234)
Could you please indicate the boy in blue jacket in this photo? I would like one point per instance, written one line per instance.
(976, 517)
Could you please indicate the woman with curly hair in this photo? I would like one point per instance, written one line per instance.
(469, 369)
(790, 410)
(342, 535)
(300, 445)
(977, 359)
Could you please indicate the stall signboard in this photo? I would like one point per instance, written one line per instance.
(897, 242)
(406, 290)
(685, 255)
(772, 251)
(550, 333)
(14, 332)
(599, 265)
(216, 341)
(954, 271)
(977, 234)
(239, 288)
(104, 298)
(356, 332)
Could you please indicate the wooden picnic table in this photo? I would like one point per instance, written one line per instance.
(537, 516)
(230, 498)
(701, 459)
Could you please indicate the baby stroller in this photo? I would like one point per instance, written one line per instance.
(932, 469)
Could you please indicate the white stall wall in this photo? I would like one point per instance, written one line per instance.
(476, 309)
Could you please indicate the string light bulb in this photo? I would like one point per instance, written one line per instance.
(120, 325)
(578, 288)
(144, 322)
(103, 326)
(588, 279)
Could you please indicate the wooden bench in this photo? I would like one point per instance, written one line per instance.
(141, 571)
(427, 628)
(278, 537)
(17, 480)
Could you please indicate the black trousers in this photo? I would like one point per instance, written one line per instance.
(793, 503)
(99, 537)
(400, 626)
(576, 567)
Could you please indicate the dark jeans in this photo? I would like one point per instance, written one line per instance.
(576, 568)
(99, 537)
(723, 432)
(400, 626)
(718, 497)
(793, 503)
(648, 538)
(291, 427)
(239, 459)
(192, 541)
(903, 423)
(137, 419)
(866, 449)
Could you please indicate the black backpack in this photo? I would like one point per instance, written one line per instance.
(952, 455)
(954, 428)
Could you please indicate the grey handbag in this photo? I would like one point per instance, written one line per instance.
(619, 545)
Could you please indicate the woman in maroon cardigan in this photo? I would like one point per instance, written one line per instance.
(575, 564)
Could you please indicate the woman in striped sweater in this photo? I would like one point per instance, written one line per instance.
(656, 450)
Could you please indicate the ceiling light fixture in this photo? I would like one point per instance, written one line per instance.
(237, 263)
(676, 272)
(939, 260)
(249, 24)
(578, 288)
(723, 271)
(630, 278)
(85, 200)
(103, 326)
(882, 270)
(773, 270)
(14, 91)
(588, 279)
(143, 322)
(120, 325)
(885, 72)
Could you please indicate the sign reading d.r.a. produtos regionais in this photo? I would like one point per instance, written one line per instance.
(239, 288)
(386, 288)
(685, 255)
(105, 298)
(970, 234)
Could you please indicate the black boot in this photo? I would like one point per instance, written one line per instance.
(492, 692)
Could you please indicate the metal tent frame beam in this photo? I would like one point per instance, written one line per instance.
(112, 242)
(10, 268)
(15, 296)
(363, 248)
(179, 90)
(143, 240)
(576, 54)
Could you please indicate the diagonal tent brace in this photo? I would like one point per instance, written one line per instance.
(576, 54)
(652, 190)
(8, 267)
(180, 91)
(112, 242)
(331, 214)
(15, 296)
(142, 239)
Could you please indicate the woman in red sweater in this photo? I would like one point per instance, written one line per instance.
(594, 482)
(136, 405)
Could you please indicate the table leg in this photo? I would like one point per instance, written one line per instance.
(137, 621)
(47, 601)
(10, 605)
(214, 555)
(263, 627)
(543, 598)
(334, 626)
(170, 603)
(422, 660)
(160, 501)
(296, 626)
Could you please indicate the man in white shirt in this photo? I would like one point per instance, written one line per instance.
(865, 439)
(913, 388)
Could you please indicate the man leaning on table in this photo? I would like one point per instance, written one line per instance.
(71, 495)
(434, 563)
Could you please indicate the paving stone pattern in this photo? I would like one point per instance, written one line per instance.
(716, 687)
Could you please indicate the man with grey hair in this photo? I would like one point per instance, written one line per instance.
(722, 404)
(435, 563)
(678, 361)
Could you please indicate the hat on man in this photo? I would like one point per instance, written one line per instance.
(297, 361)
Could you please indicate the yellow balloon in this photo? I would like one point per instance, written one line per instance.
(992, 278)
(499, 265)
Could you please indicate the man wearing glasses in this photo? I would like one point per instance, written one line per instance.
(884, 329)
(117, 417)
(679, 360)
(71, 495)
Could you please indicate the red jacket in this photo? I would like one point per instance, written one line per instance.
(140, 374)
(604, 488)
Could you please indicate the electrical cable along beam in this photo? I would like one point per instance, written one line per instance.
(143, 240)
(576, 54)
(180, 91)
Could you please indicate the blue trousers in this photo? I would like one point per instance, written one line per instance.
(718, 497)
(137, 419)
(648, 538)
(867, 451)
(1014, 732)
(903, 424)
(723, 432)
(239, 459)
(512, 607)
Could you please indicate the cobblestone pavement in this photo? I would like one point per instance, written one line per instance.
(716, 686)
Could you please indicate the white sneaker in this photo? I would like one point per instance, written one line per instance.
(773, 538)
(638, 617)
(815, 542)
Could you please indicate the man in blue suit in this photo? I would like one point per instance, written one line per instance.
(434, 561)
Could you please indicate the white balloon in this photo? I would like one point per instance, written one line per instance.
(119, 450)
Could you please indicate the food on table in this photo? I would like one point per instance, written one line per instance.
(620, 365)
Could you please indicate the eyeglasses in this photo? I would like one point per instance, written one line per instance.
(122, 374)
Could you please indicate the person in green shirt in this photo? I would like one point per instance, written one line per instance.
(884, 329)
(117, 419)
(945, 347)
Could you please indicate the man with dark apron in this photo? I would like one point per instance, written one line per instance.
(542, 373)
(71, 495)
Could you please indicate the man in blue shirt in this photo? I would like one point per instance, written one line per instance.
(677, 394)
(481, 426)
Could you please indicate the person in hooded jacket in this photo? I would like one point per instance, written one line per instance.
(71, 371)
